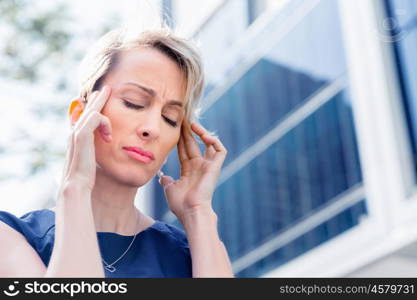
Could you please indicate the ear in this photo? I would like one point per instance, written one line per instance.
(75, 110)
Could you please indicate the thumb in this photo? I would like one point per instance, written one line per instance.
(165, 181)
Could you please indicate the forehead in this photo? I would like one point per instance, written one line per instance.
(151, 68)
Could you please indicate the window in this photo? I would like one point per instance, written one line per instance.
(255, 8)
(403, 14)
(297, 176)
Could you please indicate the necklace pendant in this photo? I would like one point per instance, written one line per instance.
(110, 268)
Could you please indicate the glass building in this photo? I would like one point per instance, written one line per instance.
(315, 102)
(402, 15)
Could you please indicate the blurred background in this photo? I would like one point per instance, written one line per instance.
(315, 101)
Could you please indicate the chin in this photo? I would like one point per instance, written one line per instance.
(135, 184)
(130, 177)
(133, 180)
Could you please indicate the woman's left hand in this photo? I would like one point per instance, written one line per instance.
(199, 174)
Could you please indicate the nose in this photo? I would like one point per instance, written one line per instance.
(149, 128)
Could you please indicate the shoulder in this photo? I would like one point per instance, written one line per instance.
(170, 245)
(171, 232)
(33, 224)
(37, 227)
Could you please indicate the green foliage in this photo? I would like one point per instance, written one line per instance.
(39, 45)
(33, 38)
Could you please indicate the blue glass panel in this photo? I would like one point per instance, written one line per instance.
(322, 233)
(159, 205)
(405, 46)
(304, 170)
(285, 78)
(404, 14)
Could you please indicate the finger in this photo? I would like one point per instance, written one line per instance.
(198, 129)
(208, 139)
(220, 151)
(101, 99)
(104, 128)
(165, 181)
(84, 143)
(213, 142)
(68, 157)
(210, 152)
(96, 103)
(105, 132)
(97, 121)
(182, 154)
(85, 110)
(91, 99)
(191, 145)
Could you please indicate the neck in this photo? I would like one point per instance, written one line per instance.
(113, 206)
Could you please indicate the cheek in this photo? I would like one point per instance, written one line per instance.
(174, 143)
(175, 140)
(170, 144)
(109, 109)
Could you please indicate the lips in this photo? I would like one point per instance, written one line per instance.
(140, 153)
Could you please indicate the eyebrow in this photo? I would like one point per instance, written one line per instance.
(152, 93)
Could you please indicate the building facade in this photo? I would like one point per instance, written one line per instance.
(315, 101)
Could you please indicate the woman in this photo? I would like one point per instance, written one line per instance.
(138, 97)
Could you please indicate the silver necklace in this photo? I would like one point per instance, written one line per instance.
(110, 267)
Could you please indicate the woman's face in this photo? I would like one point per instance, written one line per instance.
(146, 109)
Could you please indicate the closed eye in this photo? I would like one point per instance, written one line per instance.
(131, 105)
(138, 107)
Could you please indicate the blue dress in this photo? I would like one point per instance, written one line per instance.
(160, 250)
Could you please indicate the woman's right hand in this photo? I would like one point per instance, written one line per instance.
(80, 163)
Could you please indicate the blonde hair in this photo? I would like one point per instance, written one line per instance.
(103, 56)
